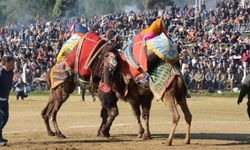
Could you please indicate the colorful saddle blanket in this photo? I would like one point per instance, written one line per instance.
(81, 53)
(134, 59)
(68, 46)
(161, 77)
(164, 48)
(59, 73)
(135, 54)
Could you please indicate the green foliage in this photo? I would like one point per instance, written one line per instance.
(27, 10)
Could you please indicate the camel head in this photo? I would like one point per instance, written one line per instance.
(110, 57)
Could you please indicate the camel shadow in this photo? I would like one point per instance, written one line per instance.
(66, 141)
(235, 139)
(238, 139)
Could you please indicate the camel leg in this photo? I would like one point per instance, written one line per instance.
(46, 113)
(62, 96)
(46, 120)
(188, 118)
(112, 113)
(104, 116)
(169, 99)
(137, 113)
(146, 106)
(92, 95)
(109, 102)
(53, 116)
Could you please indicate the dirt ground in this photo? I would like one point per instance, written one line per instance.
(218, 123)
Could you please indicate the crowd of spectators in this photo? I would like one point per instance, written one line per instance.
(213, 44)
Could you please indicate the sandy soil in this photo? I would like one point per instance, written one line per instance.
(218, 123)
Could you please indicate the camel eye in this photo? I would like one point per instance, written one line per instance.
(106, 55)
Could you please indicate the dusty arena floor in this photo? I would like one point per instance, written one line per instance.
(218, 123)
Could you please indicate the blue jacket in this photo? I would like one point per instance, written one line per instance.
(5, 82)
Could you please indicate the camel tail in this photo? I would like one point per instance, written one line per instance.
(48, 77)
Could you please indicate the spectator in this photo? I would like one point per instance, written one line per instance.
(229, 79)
(6, 76)
(209, 80)
(19, 88)
(245, 90)
(199, 78)
(219, 80)
(38, 44)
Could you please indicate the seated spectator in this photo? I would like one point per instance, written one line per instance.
(209, 80)
(191, 84)
(219, 80)
(238, 76)
(199, 78)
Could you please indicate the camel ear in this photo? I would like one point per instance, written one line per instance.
(117, 42)
(109, 34)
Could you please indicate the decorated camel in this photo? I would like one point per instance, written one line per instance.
(148, 68)
(83, 65)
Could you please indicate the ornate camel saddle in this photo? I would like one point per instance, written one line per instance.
(77, 60)
(134, 62)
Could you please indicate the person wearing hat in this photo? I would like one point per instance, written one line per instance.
(6, 76)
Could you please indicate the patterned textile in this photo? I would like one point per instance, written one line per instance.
(129, 56)
(153, 30)
(135, 59)
(138, 54)
(80, 54)
(164, 48)
(161, 77)
(59, 73)
(78, 27)
(68, 46)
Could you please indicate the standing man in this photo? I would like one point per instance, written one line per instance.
(6, 75)
(245, 90)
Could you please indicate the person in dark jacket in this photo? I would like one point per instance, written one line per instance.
(6, 76)
(245, 90)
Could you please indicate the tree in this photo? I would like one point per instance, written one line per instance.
(149, 4)
(61, 7)
(99, 7)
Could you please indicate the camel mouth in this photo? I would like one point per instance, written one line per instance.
(112, 64)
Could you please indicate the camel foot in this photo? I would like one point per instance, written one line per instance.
(141, 132)
(187, 141)
(103, 134)
(168, 142)
(61, 136)
(147, 137)
(140, 135)
(50, 133)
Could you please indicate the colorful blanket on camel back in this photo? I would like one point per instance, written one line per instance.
(69, 45)
(153, 39)
(161, 77)
(82, 52)
(135, 53)
(59, 73)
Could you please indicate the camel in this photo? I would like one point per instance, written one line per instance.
(61, 93)
(140, 99)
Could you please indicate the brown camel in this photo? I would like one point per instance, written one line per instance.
(61, 93)
(140, 99)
